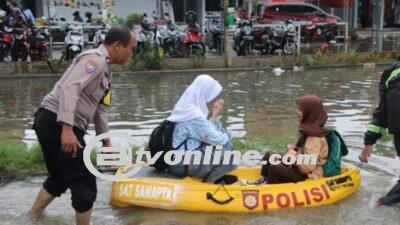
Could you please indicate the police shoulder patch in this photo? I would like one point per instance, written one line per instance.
(91, 66)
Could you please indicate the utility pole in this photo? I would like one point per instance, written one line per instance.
(228, 59)
(50, 32)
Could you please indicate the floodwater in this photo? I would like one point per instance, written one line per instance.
(258, 105)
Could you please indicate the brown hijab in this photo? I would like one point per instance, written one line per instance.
(314, 118)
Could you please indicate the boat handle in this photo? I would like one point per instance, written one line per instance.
(210, 196)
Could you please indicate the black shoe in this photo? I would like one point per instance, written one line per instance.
(227, 179)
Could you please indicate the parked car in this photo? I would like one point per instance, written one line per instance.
(295, 11)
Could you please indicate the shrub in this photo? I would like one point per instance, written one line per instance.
(132, 19)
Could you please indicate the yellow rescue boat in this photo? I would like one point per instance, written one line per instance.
(150, 189)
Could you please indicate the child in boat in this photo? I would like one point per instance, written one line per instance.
(311, 118)
(193, 131)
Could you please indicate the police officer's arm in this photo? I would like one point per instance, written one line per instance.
(379, 121)
(378, 124)
(84, 72)
(100, 120)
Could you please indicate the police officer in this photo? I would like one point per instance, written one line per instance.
(386, 115)
(80, 96)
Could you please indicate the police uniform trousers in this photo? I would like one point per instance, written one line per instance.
(64, 171)
(393, 196)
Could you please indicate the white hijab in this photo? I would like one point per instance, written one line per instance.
(193, 102)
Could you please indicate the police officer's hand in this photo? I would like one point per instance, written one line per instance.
(69, 142)
(366, 153)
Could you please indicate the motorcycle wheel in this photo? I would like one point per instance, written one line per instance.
(24, 55)
(265, 49)
(34, 57)
(246, 50)
(307, 37)
(287, 48)
(220, 46)
(249, 50)
(72, 55)
(168, 49)
(209, 43)
(2, 53)
(66, 55)
(14, 55)
(196, 50)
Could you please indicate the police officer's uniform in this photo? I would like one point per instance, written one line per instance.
(80, 96)
(387, 116)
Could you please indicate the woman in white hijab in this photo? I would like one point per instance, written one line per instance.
(193, 131)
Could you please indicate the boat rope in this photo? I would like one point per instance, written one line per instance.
(223, 202)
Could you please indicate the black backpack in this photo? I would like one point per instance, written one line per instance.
(161, 140)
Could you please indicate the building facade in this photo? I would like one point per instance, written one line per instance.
(359, 13)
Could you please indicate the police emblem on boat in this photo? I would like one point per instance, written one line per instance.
(250, 199)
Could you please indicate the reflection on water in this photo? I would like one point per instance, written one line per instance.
(258, 105)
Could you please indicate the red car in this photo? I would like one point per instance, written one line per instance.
(296, 11)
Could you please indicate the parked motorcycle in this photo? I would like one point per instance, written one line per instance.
(193, 44)
(6, 42)
(243, 38)
(215, 34)
(262, 40)
(99, 37)
(282, 39)
(74, 42)
(38, 43)
(145, 35)
(320, 31)
(170, 39)
(20, 48)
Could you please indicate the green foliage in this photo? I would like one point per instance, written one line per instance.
(277, 63)
(152, 60)
(132, 19)
(35, 157)
(16, 158)
(372, 55)
(56, 65)
(198, 60)
(99, 20)
(93, 156)
(115, 20)
(320, 57)
(150, 55)
(352, 57)
(133, 62)
(309, 61)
